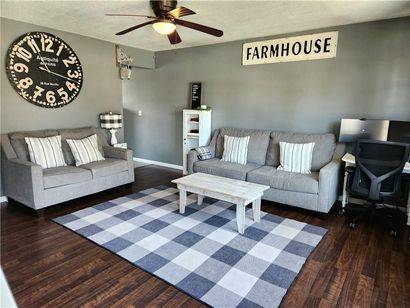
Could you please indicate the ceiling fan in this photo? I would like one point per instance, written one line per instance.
(166, 19)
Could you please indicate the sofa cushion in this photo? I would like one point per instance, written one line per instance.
(106, 167)
(79, 133)
(323, 150)
(226, 169)
(59, 176)
(19, 144)
(283, 180)
(258, 143)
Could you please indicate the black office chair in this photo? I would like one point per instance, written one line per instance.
(376, 178)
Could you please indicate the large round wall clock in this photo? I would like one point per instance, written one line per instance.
(44, 70)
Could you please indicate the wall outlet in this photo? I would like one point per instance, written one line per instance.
(139, 113)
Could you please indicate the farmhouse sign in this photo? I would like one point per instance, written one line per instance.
(298, 48)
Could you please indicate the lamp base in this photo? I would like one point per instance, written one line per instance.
(113, 138)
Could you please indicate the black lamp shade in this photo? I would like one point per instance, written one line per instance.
(110, 120)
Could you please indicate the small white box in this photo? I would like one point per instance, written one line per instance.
(120, 145)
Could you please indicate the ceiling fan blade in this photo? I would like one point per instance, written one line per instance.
(180, 12)
(134, 28)
(174, 38)
(198, 27)
(134, 15)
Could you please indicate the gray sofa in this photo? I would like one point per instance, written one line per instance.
(38, 188)
(317, 191)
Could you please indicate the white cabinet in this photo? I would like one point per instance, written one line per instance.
(196, 131)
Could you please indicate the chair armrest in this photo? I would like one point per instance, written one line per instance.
(193, 157)
(329, 180)
(124, 154)
(118, 153)
(23, 181)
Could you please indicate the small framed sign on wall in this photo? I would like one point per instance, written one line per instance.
(196, 95)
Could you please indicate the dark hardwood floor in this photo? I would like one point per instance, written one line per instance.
(48, 265)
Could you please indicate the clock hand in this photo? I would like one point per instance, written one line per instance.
(44, 63)
(47, 70)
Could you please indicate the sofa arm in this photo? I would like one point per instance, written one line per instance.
(339, 152)
(192, 158)
(120, 153)
(329, 179)
(23, 181)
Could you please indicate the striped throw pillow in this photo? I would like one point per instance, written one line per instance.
(85, 150)
(46, 152)
(235, 149)
(296, 157)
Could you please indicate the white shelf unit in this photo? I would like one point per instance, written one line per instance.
(196, 131)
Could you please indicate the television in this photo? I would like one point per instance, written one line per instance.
(353, 129)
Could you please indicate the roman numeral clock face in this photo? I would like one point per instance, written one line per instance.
(44, 70)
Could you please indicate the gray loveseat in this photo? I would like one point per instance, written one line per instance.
(38, 188)
(317, 191)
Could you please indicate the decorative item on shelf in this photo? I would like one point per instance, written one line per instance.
(196, 95)
(112, 122)
(204, 108)
(124, 62)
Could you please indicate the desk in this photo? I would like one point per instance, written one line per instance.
(350, 161)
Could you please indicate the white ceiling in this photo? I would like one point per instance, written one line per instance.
(238, 19)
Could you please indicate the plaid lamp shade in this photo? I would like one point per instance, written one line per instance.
(111, 120)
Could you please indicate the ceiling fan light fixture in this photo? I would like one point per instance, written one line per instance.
(164, 26)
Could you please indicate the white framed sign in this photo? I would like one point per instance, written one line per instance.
(298, 48)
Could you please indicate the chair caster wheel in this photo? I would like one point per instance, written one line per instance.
(342, 211)
(393, 233)
(352, 225)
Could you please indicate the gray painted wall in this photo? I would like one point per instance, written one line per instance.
(101, 90)
(370, 77)
(141, 58)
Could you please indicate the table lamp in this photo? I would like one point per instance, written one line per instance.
(112, 122)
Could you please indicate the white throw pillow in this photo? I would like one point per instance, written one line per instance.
(296, 157)
(46, 152)
(235, 149)
(85, 150)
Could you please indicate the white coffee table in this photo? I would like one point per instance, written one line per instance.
(238, 192)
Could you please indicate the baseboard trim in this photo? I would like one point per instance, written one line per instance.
(158, 163)
(3, 199)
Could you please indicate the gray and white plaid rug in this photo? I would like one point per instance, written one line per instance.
(200, 252)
